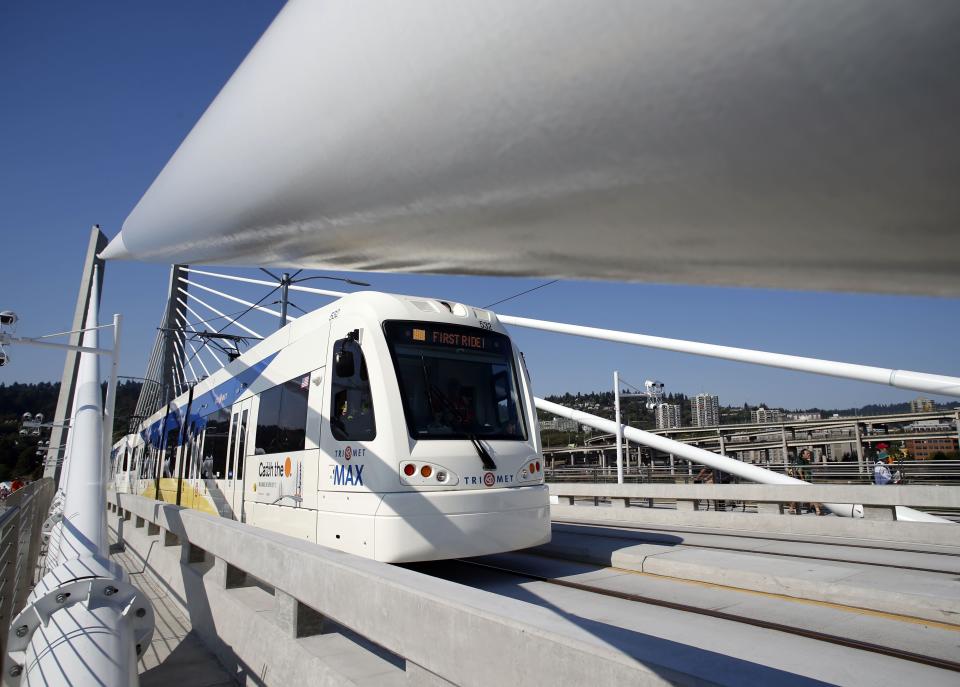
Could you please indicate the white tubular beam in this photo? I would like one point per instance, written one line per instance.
(111, 400)
(249, 304)
(85, 508)
(264, 282)
(229, 319)
(902, 379)
(746, 471)
(78, 626)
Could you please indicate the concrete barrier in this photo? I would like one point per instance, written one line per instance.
(441, 631)
(643, 504)
(938, 497)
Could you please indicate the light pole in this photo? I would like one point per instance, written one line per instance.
(616, 410)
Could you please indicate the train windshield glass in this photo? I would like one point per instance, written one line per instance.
(456, 382)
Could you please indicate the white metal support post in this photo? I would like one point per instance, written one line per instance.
(616, 405)
(861, 465)
(111, 401)
(84, 623)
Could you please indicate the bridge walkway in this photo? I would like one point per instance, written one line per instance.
(176, 655)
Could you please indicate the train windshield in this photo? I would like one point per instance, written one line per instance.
(456, 382)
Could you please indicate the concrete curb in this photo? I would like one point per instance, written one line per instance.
(847, 584)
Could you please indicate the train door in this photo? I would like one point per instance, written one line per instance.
(237, 454)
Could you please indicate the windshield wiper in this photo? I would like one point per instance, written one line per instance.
(433, 391)
(485, 456)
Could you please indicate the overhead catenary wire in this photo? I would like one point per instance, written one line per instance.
(522, 293)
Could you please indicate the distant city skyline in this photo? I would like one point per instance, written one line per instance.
(83, 134)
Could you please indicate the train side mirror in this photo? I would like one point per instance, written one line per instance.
(343, 362)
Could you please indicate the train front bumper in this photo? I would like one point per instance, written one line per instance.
(421, 526)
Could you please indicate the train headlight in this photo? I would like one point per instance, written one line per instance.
(441, 475)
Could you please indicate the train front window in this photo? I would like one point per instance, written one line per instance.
(456, 382)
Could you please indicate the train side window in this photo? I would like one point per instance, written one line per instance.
(231, 446)
(242, 444)
(282, 417)
(351, 412)
(216, 434)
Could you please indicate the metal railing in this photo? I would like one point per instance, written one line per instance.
(21, 519)
(764, 508)
(946, 472)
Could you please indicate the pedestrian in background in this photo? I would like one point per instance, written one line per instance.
(881, 473)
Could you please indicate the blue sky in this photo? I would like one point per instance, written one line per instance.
(95, 97)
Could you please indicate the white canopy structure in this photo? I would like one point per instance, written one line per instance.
(770, 143)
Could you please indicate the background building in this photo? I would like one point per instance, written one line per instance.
(764, 415)
(560, 424)
(668, 416)
(925, 449)
(705, 410)
(921, 405)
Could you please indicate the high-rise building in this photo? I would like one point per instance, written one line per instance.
(764, 415)
(668, 416)
(921, 405)
(705, 410)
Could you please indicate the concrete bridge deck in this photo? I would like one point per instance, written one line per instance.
(687, 605)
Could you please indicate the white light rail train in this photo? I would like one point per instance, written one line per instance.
(397, 428)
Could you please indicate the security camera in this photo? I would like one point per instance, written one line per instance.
(4, 358)
(8, 318)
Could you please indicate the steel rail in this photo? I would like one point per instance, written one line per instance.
(816, 635)
(765, 552)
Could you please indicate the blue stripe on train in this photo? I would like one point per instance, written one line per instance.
(220, 397)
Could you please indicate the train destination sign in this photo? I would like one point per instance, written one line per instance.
(454, 337)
